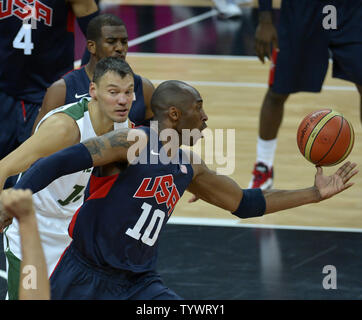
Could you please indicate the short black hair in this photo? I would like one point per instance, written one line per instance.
(171, 93)
(94, 29)
(119, 66)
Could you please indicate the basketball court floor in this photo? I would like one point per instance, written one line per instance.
(311, 252)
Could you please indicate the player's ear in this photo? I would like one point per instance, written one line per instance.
(174, 113)
(91, 46)
(93, 90)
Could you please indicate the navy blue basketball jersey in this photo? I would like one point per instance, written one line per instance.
(77, 87)
(36, 45)
(118, 225)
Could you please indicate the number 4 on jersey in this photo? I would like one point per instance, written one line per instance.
(23, 39)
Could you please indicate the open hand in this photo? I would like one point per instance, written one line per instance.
(328, 186)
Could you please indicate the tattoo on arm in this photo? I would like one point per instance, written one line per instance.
(119, 140)
(100, 147)
(95, 146)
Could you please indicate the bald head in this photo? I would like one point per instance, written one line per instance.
(173, 93)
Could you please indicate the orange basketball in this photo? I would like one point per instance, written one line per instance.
(325, 137)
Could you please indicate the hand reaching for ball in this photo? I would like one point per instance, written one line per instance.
(328, 186)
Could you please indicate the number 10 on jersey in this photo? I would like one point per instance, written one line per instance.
(157, 217)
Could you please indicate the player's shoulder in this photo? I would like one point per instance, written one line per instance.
(146, 82)
(66, 115)
(194, 159)
(56, 92)
(74, 74)
(56, 85)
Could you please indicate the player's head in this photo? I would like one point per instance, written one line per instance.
(107, 37)
(113, 88)
(180, 106)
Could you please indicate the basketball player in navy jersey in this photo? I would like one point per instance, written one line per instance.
(109, 107)
(133, 191)
(307, 31)
(106, 36)
(37, 48)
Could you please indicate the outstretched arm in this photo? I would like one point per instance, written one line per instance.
(225, 193)
(121, 145)
(324, 187)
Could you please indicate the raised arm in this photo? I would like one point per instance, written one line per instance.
(83, 8)
(225, 193)
(19, 204)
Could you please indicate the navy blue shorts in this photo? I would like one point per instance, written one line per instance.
(305, 45)
(16, 122)
(75, 279)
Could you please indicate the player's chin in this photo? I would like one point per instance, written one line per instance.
(120, 117)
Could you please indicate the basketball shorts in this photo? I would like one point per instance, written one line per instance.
(305, 45)
(74, 278)
(16, 122)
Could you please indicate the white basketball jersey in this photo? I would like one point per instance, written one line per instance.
(56, 204)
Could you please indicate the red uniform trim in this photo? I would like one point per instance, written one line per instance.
(98, 188)
(72, 223)
(272, 67)
(24, 109)
(70, 21)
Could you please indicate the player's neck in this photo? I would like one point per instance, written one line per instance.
(100, 122)
(163, 124)
(89, 68)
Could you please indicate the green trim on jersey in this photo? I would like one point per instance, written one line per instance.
(77, 110)
(13, 275)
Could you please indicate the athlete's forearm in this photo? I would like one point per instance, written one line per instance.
(33, 261)
(15, 162)
(46, 170)
(277, 200)
(85, 11)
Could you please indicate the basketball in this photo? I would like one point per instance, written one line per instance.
(325, 137)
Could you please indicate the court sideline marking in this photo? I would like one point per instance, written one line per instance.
(249, 85)
(236, 223)
(193, 20)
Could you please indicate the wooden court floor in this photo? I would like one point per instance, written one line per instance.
(233, 89)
